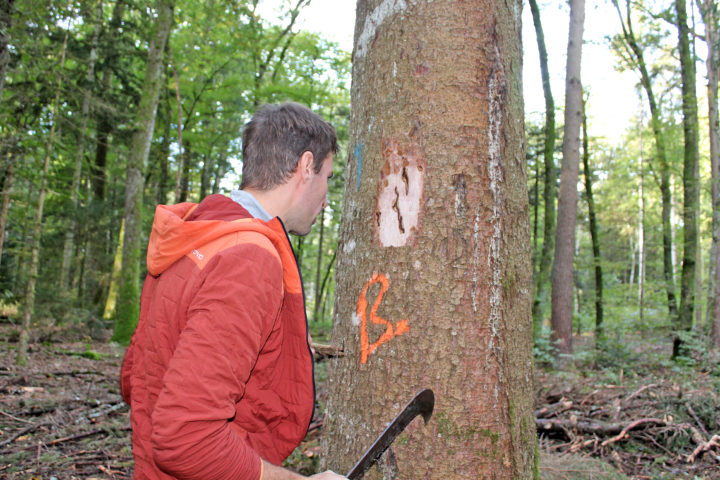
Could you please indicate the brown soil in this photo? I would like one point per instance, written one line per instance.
(62, 417)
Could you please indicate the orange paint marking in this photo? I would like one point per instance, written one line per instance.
(366, 348)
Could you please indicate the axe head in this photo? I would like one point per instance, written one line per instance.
(422, 404)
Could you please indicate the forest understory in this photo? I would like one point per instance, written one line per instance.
(62, 416)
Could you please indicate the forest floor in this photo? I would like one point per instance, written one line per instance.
(630, 415)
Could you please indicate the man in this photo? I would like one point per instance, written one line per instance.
(219, 373)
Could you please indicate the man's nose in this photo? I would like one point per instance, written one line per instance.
(325, 203)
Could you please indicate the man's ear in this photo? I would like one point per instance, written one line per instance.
(306, 165)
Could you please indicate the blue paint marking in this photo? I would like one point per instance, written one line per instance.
(358, 155)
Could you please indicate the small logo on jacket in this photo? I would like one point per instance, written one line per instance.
(199, 255)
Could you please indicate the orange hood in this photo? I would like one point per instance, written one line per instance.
(172, 237)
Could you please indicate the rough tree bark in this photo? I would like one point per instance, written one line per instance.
(543, 273)
(128, 304)
(562, 271)
(660, 163)
(709, 11)
(434, 274)
(690, 179)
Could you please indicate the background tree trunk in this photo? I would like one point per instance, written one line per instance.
(434, 275)
(690, 179)
(562, 272)
(182, 160)
(543, 273)
(642, 257)
(319, 269)
(709, 11)
(104, 126)
(128, 305)
(6, 189)
(6, 8)
(661, 162)
(69, 243)
(595, 239)
(34, 243)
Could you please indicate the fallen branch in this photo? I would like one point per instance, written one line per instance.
(22, 432)
(639, 391)
(697, 420)
(713, 442)
(72, 438)
(14, 418)
(554, 409)
(629, 427)
(322, 351)
(558, 425)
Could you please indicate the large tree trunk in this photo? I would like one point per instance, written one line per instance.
(434, 276)
(34, 243)
(709, 11)
(660, 162)
(128, 306)
(543, 273)
(594, 237)
(562, 271)
(69, 243)
(690, 179)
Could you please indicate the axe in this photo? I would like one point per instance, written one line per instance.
(422, 404)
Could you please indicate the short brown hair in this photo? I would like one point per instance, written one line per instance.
(276, 137)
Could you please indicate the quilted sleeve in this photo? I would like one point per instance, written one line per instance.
(228, 321)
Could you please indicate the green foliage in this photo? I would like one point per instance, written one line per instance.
(228, 61)
(544, 350)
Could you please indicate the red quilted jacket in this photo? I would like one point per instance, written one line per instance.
(219, 372)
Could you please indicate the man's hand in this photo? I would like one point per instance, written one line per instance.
(328, 475)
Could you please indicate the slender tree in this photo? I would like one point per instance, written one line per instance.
(318, 268)
(637, 61)
(709, 12)
(594, 237)
(6, 8)
(34, 243)
(690, 178)
(69, 243)
(434, 284)
(105, 124)
(562, 271)
(6, 190)
(129, 293)
(550, 179)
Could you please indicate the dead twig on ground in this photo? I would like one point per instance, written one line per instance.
(14, 418)
(702, 448)
(632, 425)
(24, 431)
(639, 391)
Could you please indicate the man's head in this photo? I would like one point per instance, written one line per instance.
(274, 140)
